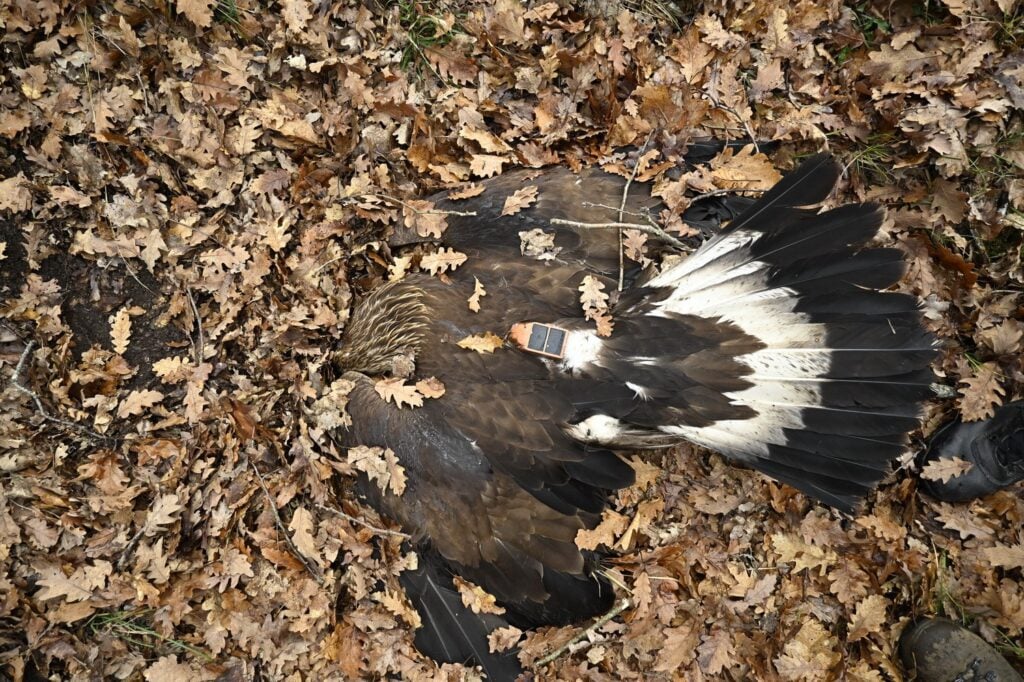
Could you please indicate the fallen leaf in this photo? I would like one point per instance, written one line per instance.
(809, 655)
(1004, 555)
(945, 469)
(476, 598)
(635, 244)
(441, 260)
(167, 669)
(503, 639)
(396, 604)
(303, 529)
(380, 465)
(163, 512)
(199, 12)
(716, 653)
(399, 268)
(804, 556)
(137, 402)
(520, 199)
(430, 388)
(397, 391)
(595, 304)
(478, 293)
(982, 393)
(679, 649)
(605, 533)
(745, 169)
(1005, 338)
(481, 343)
(54, 584)
(14, 194)
(467, 192)
(486, 165)
(423, 217)
(963, 519)
(537, 243)
(120, 330)
(869, 617)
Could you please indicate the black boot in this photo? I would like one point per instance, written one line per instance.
(938, 650)
(994, 447)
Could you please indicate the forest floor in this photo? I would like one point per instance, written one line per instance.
(192, 193)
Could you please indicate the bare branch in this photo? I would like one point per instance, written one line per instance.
(311, 567)
(364, 524)
(718, 104)
(16, 382)
(649, 229)
(622, 208)
(417, 211)
(619, 608)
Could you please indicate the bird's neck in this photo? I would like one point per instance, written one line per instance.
(385, 331)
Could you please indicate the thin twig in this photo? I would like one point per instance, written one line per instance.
(622, 206)
(723, 192)
(200, 342)
(649, 229)
(321, 267)
(718, 104)
(134, 276)
(619, 608)
(427, 62)
(312, 568)
(16, 382)
(418, 211)
(592, 204)
(364, 524)
(129, 549)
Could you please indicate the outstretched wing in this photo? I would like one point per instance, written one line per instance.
(506, 514)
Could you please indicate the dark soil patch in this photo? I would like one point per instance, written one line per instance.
(93, 294)
(14, 266)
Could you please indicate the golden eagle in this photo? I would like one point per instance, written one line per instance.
(772, 344)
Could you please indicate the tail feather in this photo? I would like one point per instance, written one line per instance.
(811, 183)
(832, 371)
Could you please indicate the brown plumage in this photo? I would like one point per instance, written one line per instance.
(770, 344)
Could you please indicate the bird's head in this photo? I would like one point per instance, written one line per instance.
(385, 332)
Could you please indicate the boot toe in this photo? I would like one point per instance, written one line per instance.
(939, 650)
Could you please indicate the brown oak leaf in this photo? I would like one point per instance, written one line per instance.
(481, 343)
(982, 393)
(421, 216)
(120, 330)
(199, 12)
(945, 469)
(137, 402)
(380, 465)
(869, 617)
(1005, 556)
(595, 304)
(397, 391)
(476, 598)
(520, 199)
(441, 260)
(430, 387)
(478, 293)
(467, 192)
